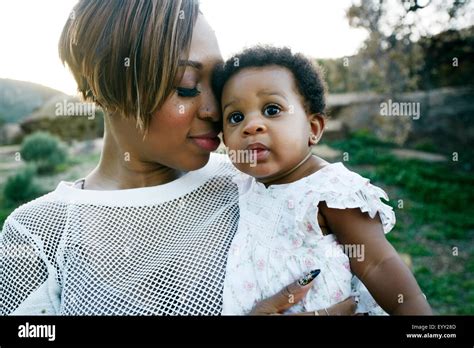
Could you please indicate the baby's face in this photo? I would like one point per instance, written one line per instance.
(264, 116)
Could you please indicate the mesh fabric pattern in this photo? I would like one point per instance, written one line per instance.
(123, 255)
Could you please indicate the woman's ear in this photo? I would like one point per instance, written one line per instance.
(317, 123)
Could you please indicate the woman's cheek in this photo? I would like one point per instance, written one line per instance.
(174, 117)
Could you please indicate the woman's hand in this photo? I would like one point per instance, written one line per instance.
(292, 294)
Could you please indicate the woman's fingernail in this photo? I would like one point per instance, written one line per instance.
(309, 277)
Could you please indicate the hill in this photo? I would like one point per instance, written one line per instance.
(19, 99)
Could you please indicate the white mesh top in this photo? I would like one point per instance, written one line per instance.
(149, 251)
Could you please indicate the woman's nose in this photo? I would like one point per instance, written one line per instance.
(209, 109)
(254, 127)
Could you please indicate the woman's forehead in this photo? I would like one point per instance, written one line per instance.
(204, 46)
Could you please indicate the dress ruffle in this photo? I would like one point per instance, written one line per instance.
(349, 190)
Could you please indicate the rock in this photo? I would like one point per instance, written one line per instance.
(11, 133)
(362, 111)
(86, 147)
(9, 150)
(418, 155)
(444, 119)
(326, 152)
(66, 117)
(335, 130)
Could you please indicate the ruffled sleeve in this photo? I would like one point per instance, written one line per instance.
(344, 189)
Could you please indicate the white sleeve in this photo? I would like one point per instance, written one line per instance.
(349, 190)
(27, 279)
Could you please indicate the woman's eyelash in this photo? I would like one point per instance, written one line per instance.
(187, 92)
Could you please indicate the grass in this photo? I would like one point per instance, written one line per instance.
(435, 224)
(74, 168)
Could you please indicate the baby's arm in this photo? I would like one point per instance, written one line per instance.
(382, 271)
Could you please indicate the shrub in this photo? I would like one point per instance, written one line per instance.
(44, 150)
(20, 188)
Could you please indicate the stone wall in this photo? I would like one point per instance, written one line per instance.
(445, 118)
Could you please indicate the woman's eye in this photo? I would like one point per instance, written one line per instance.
(235, 118)
(187, 92)
(271, 110)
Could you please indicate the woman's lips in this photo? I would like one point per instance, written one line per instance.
(208, 142)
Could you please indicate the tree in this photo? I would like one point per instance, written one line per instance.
(43, 150)
(394, 28)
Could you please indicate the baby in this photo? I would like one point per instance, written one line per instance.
(298, 213)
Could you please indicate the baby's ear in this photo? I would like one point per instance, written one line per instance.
(317, 123)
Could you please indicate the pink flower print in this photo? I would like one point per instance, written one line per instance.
(296, 242)
(337, 296)
(347, 266)
(248, 286)
(309, 227)
(260, 265)
(291, 204)
(309, 263)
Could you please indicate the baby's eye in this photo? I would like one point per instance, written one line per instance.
(271, 110)
(235, 117)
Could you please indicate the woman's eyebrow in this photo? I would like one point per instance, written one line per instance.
(191, 63)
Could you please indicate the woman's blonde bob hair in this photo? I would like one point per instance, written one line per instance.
(124, 54)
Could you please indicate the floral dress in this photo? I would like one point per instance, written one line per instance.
(278, 240)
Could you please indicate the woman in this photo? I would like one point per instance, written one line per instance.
(148, 230)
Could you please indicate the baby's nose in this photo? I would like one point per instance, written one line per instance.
(254, 127)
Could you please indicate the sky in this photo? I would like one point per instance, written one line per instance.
(30, 30)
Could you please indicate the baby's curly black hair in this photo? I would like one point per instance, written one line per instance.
(308, 76)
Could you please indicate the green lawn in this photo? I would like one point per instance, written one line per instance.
(435, 224)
